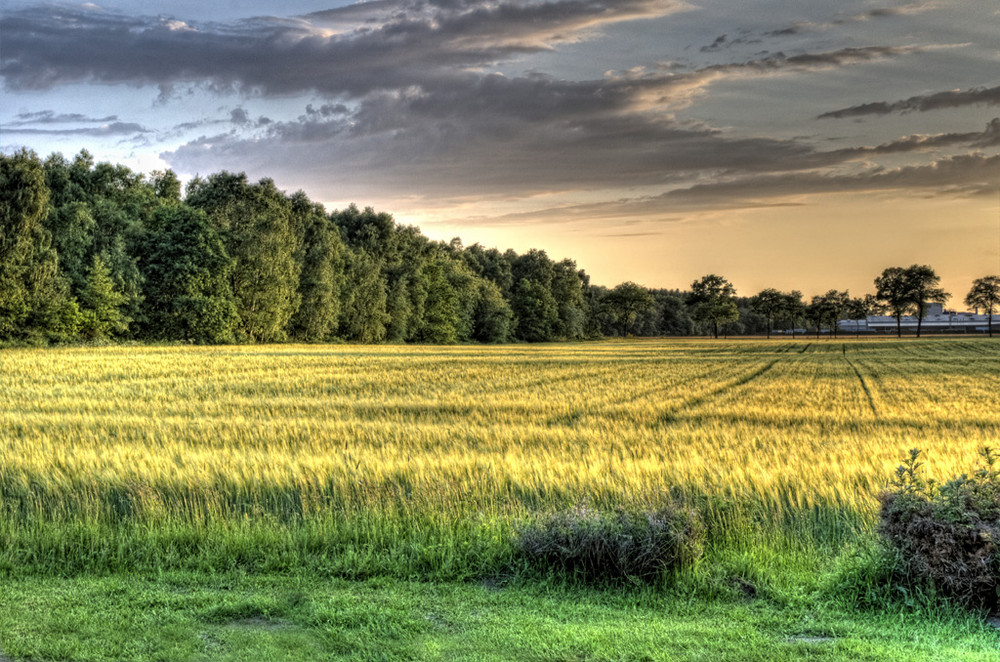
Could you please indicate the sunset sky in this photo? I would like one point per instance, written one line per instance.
(781, 144)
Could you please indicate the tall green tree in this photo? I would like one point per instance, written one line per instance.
(101, 302)
(34, 299)
(923, 288)
(626, 302)
(492, 318)
(442, 308)
(255, 223)
(713, 301)
(187, 275)
(985, 296)
(535, 311)
(363, 315)
(567, 286)
(321, 271)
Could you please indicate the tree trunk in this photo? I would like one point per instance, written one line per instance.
(899, 326)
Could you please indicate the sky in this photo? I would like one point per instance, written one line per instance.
(799, 145)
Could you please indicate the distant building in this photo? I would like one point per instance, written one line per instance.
(937, 320)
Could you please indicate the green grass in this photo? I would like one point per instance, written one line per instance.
(184, 616)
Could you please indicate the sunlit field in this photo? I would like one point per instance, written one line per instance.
(423, 461)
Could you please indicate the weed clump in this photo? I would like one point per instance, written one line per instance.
(609, 546)
(946, 535)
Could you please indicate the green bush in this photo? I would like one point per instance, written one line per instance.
(595, 545)
(946, 536)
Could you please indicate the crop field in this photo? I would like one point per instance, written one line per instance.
(422, 461)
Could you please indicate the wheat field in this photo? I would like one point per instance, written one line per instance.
(418, 459)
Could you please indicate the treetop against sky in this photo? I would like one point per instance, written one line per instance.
(786, 145)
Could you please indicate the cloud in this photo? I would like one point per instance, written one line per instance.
(52, 117)
(988, 96)
(105, 130)
(967, 174)
(418, 44)
(494, 136)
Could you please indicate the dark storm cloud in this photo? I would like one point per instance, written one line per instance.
(494, 135)
(988, 96)
(419, 44)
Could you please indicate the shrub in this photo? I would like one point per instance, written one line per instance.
(946, 535)
(595, 545)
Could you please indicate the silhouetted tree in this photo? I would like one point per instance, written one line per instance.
(771, 304)
(922, 285)
(893, 289)
(985, 296)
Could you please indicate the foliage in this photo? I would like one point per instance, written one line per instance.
(985, 295)
(289, 271)
(101, 304)
(187, 274)
(946, 536)
(713, 300)
(908, 290)
(625, 544)
(627, 301)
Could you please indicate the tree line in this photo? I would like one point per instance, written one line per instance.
(95, 251)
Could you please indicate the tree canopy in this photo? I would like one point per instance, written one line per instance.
(93, 251)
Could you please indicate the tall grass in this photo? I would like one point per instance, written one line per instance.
(424, 460)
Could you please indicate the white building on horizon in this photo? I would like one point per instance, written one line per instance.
(935, 320)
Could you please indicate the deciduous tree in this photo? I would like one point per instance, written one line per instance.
(713, 300)
(985, 296)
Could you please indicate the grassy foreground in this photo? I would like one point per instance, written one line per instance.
(180, 616)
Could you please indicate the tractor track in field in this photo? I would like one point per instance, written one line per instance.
(864, 383)
(670, 416)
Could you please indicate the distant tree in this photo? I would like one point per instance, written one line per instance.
(794, 309)
(922, 286)
(713, 300)
(626, 301)
(828, 309)
(985, 296)
(675, 318)
(892, 288)
(859, 308)
(771, 304)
